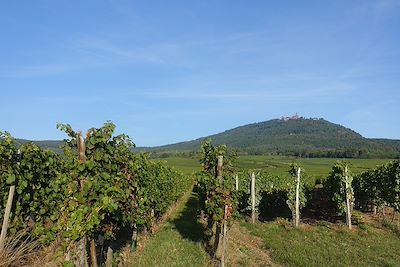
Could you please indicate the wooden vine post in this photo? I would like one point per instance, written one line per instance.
(82, 159)
(237, 182)
(77, 251)
(93, 252)
(224, 236)
(297, 208)
(219, 229)
(348, 199)
(6, 217)
(220, 164)
(109, 259)
(253, 197)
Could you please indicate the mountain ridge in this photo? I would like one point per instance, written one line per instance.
(291, 136)
(294, 136)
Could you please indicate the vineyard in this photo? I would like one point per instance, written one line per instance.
(261, 196)
(98, 193)
(95, 191)
(200, 133)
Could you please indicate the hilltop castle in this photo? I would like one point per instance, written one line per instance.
(294, 117)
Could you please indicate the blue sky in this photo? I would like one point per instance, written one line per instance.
(170, 71)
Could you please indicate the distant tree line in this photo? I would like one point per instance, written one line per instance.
(300, 153)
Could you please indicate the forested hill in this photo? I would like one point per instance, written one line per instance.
(297, 137)
(49, 144)
(293, 137)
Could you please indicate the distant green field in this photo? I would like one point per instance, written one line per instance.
(185, 165)
(317, 167)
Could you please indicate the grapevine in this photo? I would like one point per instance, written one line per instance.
(111, 190)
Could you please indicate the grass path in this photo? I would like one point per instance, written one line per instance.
(245, 249)
(328, 244)
(178, 242)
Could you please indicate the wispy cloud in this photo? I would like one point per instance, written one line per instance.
(385, 5)
(272, 95)
(110, 50)
(177, 52)
(96, 51)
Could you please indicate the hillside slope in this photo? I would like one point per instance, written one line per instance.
(46, 144)
(299, 137)
(294, 137)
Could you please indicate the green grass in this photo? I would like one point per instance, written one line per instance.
(318, 167)
(178, 243)
(323, 244)
(328, 245)
(185, 165)
(313, 166)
